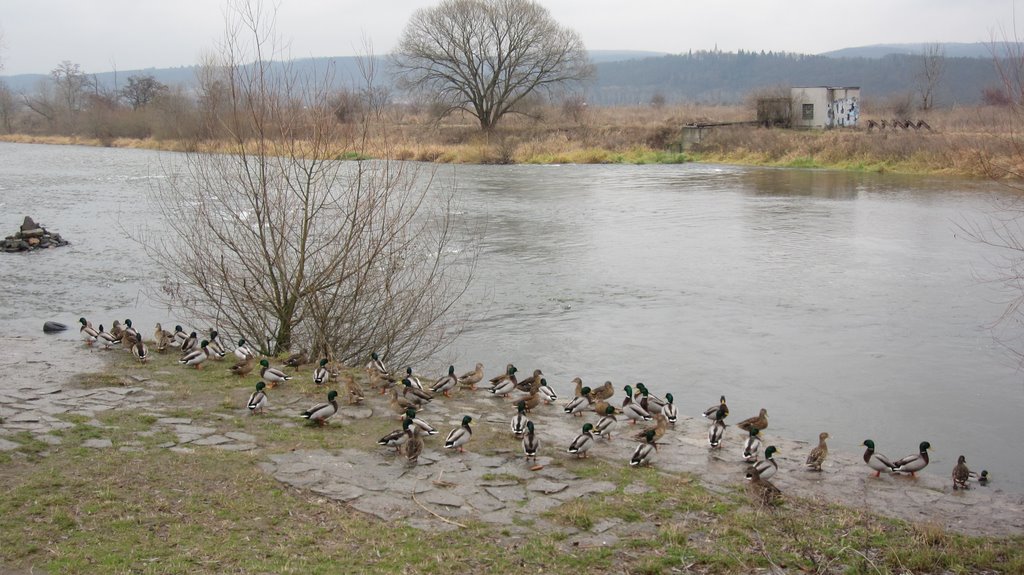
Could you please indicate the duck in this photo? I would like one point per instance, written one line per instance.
(915, 462)
(422, 426)
(633, 410)
(519, 420)
(817, 455)
(759, 421)
(296, 360)
(766, 468)
(196, 357)
(579, 403)
(715, 433)
(644, 452)
(139, 351)
(321, 412)
(577, 387)
(471, 378)
(876, 461)
(604, 392)
(961, 474)
(504, 384)
(504, 387)
(528, 384)
(400, 404)
(242, 368)
(601, 407)
(130, 331)
(162, 338)
(376, 371)
(445, 384)
(659, 428)
(752, 446)
(460, 436)
(669, 409)
(179, 337)
(397, 437)
(414, 394)
(216, 348)
(414, 380)
(413, 447)
(531, 443)
(258, 399)
(606, 424)
(546, 393)
(272, 375)
(712, 412)
(321, 374)
(117, 330)
(190, 343)
(583, 442)
(355, 393)
(649, 401)
(532, 401)
(89, 335)
(106, 339)
(243, 351)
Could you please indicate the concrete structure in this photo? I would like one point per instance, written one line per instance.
(825, 107)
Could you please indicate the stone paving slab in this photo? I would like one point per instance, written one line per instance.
(8, 445)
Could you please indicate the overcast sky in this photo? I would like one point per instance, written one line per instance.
(101, 35)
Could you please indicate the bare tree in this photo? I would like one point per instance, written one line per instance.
(141, 90)
(281, 243)
(486, 56)
(933, 66)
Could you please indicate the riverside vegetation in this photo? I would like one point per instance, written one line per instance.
(966, 141)
(142, 506)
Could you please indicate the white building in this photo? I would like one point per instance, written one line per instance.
(825, 107)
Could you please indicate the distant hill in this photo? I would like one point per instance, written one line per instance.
(626, 77)
(952, 49)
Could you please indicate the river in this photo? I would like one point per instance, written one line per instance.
(844, 302)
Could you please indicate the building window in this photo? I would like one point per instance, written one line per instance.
(808, 110)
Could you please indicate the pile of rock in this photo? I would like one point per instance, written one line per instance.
(32, 236)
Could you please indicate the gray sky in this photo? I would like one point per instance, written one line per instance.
(102, 35)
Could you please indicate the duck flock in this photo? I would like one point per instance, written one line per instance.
(410, 393)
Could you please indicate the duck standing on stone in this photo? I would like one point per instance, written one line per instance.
(961, 474)
(764, 469)
(531, 442)
(446, 383)
(712, 412)
(321, 412)
(471, 378)
(752, 446)
(759, 421)
(583, 442)
(717, 431)
(89, 335)
(913, 463)
(107, 339)
(644, 452)
(258, 400)
(460, 436)
(876, 461)
(817, 455)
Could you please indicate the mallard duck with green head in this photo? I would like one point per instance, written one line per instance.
(766, 468)
(876, 461)
(196, 357)
(321, 374)
(446, 383)
(106, 339)
(418, 396)
(546, 393)
(713, 411)
(605, 425)
(140, 351)
(915, 462)
(88, 333)
(519, 420)
(531, 442)
(321, 412)
(669, 409)
(583, 442)
(272, 375)
(243, 351)
(398, 437)
(460, 436)
(644, 452)
(258, 399)
(752, 446)
(191, 343)
(577, 405)
(422, 426)
(633, 410)
(216, 347)
(715, 433)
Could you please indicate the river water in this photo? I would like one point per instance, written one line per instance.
(844, 302)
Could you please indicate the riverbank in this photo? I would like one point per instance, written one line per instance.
(157, 468)
(964, 142)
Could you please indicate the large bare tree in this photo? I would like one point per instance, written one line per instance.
(933, 67)
(486, 56)
(281, 243)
